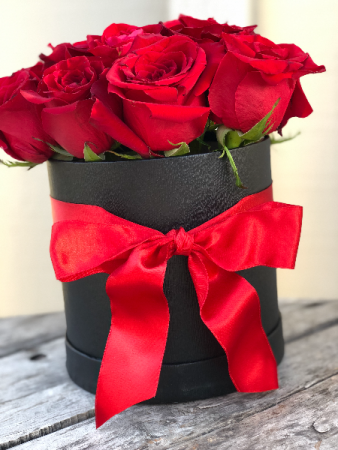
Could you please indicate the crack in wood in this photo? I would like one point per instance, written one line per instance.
(57, 426)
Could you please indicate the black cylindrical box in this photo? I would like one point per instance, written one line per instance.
(163, 194)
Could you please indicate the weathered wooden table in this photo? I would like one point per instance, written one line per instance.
(41, 409)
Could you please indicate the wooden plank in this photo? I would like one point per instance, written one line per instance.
(49, 410)
(303, 318)
(308, 420)
(26, 332)
(22, 376)
(308, 361)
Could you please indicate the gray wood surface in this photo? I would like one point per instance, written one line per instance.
(25, 332)
(42, 409)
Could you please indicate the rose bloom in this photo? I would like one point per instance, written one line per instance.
(65, 89)
(20, 120)
(115, 41)
(71, 80)
(65, 51)
(253, 75)
(208, 33)
(151, 104)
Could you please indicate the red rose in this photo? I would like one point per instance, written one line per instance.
(71, 80)
(155, 83)
(209, 29)
(65, 87)
(36, 72)
(65, 51)
(208, 33)
(253, 74)
(115, 41)
(20, 120)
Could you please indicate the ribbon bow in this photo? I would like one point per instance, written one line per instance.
(256, 231)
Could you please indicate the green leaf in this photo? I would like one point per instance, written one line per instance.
(279, 141)
(90, 156)
(257, 131)
(115, 146)
(267, 131)
(10, 164)
(183, 149)
(56, 148)
(233, 165)
(132, 155)
(60, 157)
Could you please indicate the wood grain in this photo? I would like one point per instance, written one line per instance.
(303, 318)
(26, 332)
(22, 376)
(307, 420)
(309, 361)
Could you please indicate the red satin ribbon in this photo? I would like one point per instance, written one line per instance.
(256, 231)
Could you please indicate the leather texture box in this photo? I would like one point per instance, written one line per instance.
(164, 194)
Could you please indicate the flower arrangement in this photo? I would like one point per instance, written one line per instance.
(153, 91)
(210, 324)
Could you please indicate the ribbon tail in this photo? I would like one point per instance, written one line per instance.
(230, 308)
(135, 347)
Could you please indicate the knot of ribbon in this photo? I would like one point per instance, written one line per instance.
(183, 242)
(256, 231)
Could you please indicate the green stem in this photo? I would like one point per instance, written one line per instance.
(200, 139)
(10, 164)
(233, 165)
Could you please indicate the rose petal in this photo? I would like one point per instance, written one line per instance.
(298, 106)
(214, 53)
(157, 125)
(172, 23)
(110, 123)
(255, 98)
(190, 21)
(69, 126)
(230, 73)
(269, 66)
(100, 90)
(177, 113)
(193, 75)
(164, 95)
(6, 148)
(34, 97)
(24, 151)
(238, 45)
(22, 120)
